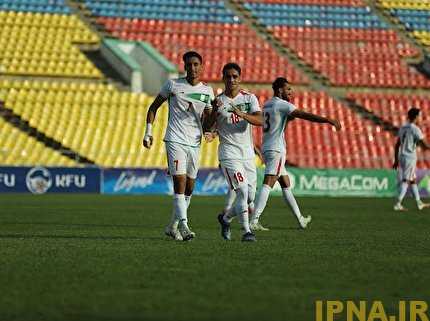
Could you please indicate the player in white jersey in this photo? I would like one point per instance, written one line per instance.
(238, 110)
(275, 114)
(405, 158)
(189, 100)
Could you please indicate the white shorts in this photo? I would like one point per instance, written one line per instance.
(238, 172)
(182, 159)
(275, 163)
(407, 169)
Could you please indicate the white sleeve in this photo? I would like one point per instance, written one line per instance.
(166, 89)
(286, 108)
(211, 97)
(255, 106)
(419, 134)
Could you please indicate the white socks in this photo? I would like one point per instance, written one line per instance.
(228, 211)
(261, 202)
(416, 193)
(291, 201)
(174, 222)
(402, 193)
(244, 220)
(180, 207)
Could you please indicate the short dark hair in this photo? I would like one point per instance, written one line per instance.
(279, 83)
(190, 54)
(231, 65)
(413, 113)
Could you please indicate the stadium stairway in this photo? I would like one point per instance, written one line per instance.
(37, 147)
(385, 15)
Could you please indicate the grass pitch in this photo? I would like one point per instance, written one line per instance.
(91, 258)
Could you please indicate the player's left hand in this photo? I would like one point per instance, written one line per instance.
(395, 164)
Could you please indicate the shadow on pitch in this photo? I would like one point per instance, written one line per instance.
(74, 224)
(80, 237)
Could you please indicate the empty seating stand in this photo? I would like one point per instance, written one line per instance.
(394, 107)
(347, 44)
(414, 15)
(176, 26)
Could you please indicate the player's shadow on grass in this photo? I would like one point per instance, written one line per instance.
(79, 237)
(76, 224)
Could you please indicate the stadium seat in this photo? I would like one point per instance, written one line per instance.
(23, 39)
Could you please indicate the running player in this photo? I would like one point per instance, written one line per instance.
(189, 100)
(238, 111)
(275, 114)
(405, 158)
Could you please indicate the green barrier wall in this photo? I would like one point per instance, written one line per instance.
(333, 182)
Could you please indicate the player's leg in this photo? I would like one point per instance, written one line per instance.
(228, 212)
(404, 175)
(251, 175)
(191, 169)
(225, 218)
(274, 162)
(289, 198)
(413, 182)
(235, 174)
(176, 160)
(174, 221)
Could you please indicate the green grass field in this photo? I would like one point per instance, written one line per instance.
(106, 258)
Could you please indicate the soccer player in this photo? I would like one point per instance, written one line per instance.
(189, 100)
(275, 114)
(238, 110)
(405, 158)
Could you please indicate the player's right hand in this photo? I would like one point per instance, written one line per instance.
(147, 141)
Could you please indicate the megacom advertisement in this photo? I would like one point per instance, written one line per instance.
(41, 180)
(348, 182)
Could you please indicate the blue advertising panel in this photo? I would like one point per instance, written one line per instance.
(156, 181)
(136, 181)
(41, 180)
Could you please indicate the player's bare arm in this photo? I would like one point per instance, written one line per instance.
(396, 154)
(255, 118)
(150, 117)
(424, 144)
(316, 118)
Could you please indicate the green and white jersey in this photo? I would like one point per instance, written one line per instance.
(235, 133)
(409, 135)
(275, 114)
(186, 106)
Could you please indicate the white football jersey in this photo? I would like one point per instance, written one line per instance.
(186, 106)
(409, 135)
(275, 113)
(235, 133)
